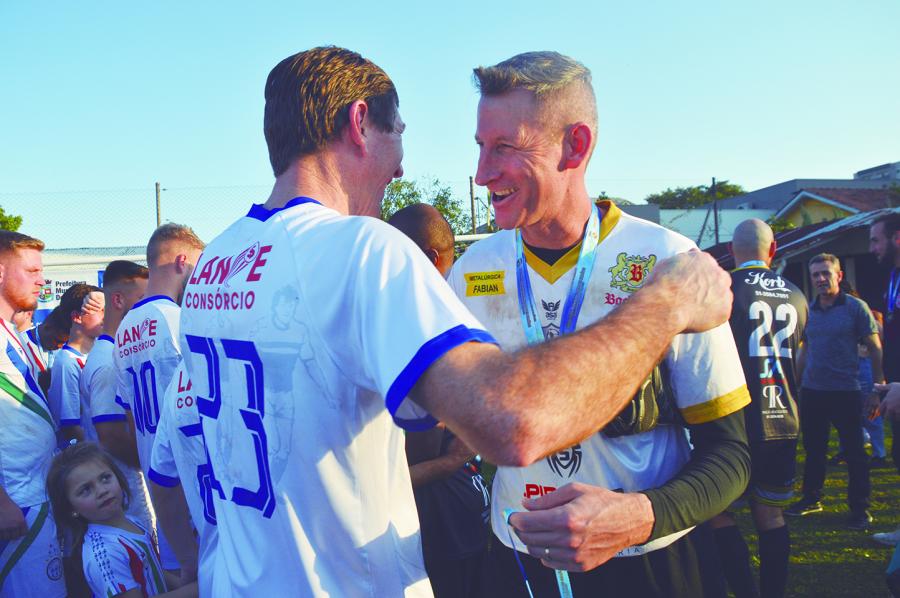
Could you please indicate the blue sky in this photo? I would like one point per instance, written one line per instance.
(112, 96)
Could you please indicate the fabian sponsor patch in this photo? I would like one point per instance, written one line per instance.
(484, 283)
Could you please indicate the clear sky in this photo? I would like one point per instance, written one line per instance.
(101, 99)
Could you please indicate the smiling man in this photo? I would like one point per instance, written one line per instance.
(631, 493)
(306, 474)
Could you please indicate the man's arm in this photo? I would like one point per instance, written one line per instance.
(499, 407)
(873, 344)
(800, 363)
(438, 467)
(117, 437)
(175, 519)
(12, 521)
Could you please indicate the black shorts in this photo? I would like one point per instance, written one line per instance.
(773, 467)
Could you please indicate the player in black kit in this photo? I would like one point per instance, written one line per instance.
(767, 319)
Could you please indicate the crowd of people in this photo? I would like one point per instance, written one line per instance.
(300, 407)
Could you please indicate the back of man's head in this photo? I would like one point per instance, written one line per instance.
(428, 229)
(752, 240)
(561, 86)
(169, 240)
(308, 98)
(11, 241)
(123, 271)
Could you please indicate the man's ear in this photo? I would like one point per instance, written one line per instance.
(433, 256)
(895, 239)
(2, 271)
(117, 300)
(356, 128)
(577, 145)
(180, 262)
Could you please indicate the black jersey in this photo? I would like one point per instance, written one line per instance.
(767, 320)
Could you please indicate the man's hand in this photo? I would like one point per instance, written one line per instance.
(890, 404)
(871, 405)
(699, 290)
(579, 527)
(94, 302)
(12, 521)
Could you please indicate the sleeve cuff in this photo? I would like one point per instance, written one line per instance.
(721, 406)
(112, 417)
(122, 403)
(162, 479)
(427, 354)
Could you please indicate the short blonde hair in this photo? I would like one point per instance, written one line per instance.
(12, 241)
(556, 81)
(171, 233)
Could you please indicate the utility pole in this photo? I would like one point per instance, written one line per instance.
(715, 210)
(158, 215)
(472, 201)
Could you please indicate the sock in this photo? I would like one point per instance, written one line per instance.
(774, 550)
(735, 557)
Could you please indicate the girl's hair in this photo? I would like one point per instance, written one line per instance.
(60, 469)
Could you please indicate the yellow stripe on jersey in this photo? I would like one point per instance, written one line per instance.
(717, 407)
(551, 274)
(484, 283)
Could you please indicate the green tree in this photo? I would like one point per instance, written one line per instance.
(401, 193)
(8, 221)
(693, 197)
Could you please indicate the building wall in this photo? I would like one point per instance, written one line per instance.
(811, 211)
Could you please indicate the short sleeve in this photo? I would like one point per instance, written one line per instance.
(392, 318)
(706, 375)
(65, 393)
(123, 385)
(102, 386)
(107, 568)
(865, 322)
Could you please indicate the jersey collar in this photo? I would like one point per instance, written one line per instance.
(147, 300)
(259, 212)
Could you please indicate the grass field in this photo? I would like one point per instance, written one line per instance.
(827, 559)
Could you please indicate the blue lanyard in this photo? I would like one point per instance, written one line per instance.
(532, 324)
(893, 288)
(754, 264)
(562, 577)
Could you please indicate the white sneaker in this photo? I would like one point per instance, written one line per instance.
(888, 538)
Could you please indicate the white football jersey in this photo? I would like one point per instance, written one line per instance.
(65, 391)
(704, 369)
(179, 457)
(27, 430)
(303, 331)
(146, 356)
(115, 561)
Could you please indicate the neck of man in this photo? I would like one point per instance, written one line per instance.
(561, 230)
(111, 321)
(164, 281)
(742, 258)
(828, 299)
(80, 341)
(7, 311)
(316, 176)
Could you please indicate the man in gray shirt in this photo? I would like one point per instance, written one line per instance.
(830, 391)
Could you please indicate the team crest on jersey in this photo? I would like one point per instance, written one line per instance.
(566, 463)
(550, 309)
(484, 283)
(243, 259)
(631, 271)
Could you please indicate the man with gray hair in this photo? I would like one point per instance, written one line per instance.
(768, 318)
(619, 507)
(830, 392)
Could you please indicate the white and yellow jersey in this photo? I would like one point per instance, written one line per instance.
(704, 369)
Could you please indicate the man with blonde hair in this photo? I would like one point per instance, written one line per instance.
(30, 557)
(147, 353)
(616, 508)
(309, 484)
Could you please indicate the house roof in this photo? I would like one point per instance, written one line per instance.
(853, 200)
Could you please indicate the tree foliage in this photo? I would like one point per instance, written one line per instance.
(693, 197)
(9, 221)
(401, 193)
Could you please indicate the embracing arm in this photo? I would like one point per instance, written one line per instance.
(12, 521)
(500, 408)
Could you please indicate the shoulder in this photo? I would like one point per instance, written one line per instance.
(496, 248)
(663, 241)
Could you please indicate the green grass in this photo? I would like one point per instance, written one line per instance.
(826, 558)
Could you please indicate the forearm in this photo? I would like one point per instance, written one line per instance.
(715, 476)
(876, 355)
(506, 412)
(175, 520)
(434, 469)
(115, 438)
(69, 433)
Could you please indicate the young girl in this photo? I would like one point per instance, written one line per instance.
(89, 493)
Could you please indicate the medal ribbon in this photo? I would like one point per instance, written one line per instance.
(754, 264)
(562, 577)
(893, 288)
(583, 268)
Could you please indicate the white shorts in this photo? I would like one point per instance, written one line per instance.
(32, 565)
